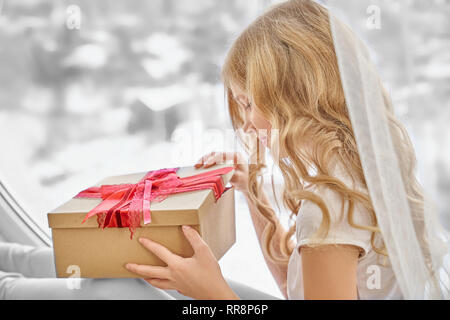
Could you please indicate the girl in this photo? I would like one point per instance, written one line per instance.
(283, 86)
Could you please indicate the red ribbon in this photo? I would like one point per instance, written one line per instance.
(123, 204)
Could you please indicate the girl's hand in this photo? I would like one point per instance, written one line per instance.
(198, 277)
(239, 180)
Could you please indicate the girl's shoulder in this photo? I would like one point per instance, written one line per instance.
(341, 229)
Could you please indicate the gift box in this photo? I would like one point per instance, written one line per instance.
(96, 233)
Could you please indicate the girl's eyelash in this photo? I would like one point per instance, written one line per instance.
(248, 106)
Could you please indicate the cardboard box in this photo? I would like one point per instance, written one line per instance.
(102, 253)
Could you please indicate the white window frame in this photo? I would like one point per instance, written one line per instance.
(16, 225)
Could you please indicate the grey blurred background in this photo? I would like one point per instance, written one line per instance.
(96, 88)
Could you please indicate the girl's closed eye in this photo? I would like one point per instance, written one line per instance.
(244, 103)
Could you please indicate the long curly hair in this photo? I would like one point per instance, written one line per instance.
(286, 63)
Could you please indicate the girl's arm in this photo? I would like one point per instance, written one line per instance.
(329, 272)
(259, 221)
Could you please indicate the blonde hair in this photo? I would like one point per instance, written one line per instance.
(285, 61)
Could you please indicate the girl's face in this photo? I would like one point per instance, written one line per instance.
(253, 119)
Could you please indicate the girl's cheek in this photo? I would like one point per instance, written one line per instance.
(260, 124)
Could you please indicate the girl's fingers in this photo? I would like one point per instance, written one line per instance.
(203, 159)
(200, 162)
(159, 250)
(149, 271)
(210, 162)
(213, 158)
(228, 157)
(220, 158)
(194, 238)
(234, 158)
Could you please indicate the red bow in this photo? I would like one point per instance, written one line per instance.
(123, 204)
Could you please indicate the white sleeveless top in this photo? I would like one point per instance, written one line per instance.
(374, 280)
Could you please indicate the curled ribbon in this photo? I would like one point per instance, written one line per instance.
(123, 204)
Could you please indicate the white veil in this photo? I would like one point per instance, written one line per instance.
(383, 169)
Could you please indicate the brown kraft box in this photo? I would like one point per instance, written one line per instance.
(102, 253)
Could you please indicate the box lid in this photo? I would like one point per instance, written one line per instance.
(176, 209)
